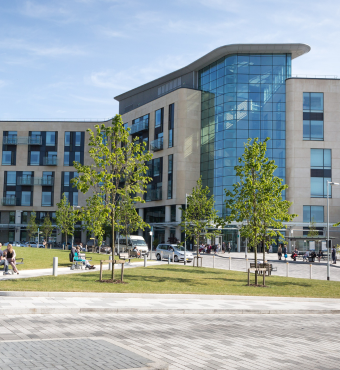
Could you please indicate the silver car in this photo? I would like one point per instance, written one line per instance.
(176, 252)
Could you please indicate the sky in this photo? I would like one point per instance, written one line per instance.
(67, 59)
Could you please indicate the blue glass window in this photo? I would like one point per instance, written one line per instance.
(313, 214)
(313, 116)
(321, 172)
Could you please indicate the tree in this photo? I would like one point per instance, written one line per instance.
(200, 216)
(47, 227)
(256, 200)
(313, 232)
(32, 226)
(119, 169)
(128, 219)
(66, 217)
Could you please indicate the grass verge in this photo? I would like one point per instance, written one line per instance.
(172, 279)
(40, 258)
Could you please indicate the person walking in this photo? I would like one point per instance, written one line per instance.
(334, 255)
(279, 252)
(285, 252)
(223, 247)
(3, 261)
(229, 247)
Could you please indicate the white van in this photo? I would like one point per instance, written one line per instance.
(133, 241)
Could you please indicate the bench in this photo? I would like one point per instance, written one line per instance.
(78, 264)
(18, 261)
(135, 254)
(268, 266)
(124, 256)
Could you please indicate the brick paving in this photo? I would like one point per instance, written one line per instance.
(184, 341)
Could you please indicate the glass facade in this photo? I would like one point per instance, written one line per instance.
(321, 172)
(243, 96)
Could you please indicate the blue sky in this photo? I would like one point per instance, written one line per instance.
(65, 59)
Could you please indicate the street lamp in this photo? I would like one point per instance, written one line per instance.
(328, 183)
(73, 225)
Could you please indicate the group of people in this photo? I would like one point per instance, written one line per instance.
(215, 248)
(8, 257)
(308, 254)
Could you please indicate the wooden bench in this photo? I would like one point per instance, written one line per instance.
(18, 261)
(135, 254)
(124, 256)
(268, 266)
(78, 264)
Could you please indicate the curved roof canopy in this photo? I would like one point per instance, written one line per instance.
(295, 49)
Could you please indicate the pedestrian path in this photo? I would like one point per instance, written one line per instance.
(17, 303)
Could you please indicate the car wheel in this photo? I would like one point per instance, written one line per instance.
(176, 259)
(158, 257)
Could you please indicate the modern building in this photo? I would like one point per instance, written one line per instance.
(197, 119)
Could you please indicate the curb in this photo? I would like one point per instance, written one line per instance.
(100, 310)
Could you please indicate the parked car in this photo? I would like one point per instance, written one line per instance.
(14, 244)
(34, 245)
(166, 250)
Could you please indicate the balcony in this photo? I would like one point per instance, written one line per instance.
(138, 127)
(11, 201)
(157, 144)
(25, 180)
(155, 194)
(50, 161)
(34, 140)
(9, 140)
(44, 181)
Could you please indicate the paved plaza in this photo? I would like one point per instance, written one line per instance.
(185, 342)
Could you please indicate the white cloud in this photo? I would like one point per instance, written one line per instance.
(3, 83)
(34, 10)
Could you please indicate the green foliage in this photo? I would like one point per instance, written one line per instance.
(118, 170)
(256, 200)
(32, 226)
(127, 217)
(312, 230)
(66, 217)
(200, 216)
(47, 227)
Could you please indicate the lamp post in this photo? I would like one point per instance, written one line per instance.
(73, 207)
(328, 183)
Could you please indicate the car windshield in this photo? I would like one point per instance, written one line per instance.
(138, 242)
(180, 249)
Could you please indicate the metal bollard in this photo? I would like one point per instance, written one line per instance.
(169, 259)
(145, 259)
(55, 266)
(213, 262)
(110, 263)
(287, 269)
(229, 263)
(310, 271)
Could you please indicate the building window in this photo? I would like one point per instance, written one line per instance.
(75, 199)
(313, 116)
(46, 199)
(171, 124)
(170, 174)
(11, 178)
(77, 156)
(47, 178)
(12, 217)
(6, 157)
(321, 172)
(159, 117)
(67, 138)
(50, 138)
(35, 159)
(26, 198)
(313, 214)
(67, 195)
(66, 179)
(66, 158)
(77, 138)
(24, 217)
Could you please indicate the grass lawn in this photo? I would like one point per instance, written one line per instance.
(178, 279)
(40, 258)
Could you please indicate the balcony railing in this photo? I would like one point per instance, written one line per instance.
(9, 140)
(35, 140)
(45, 181)
(138, 127)
(11, 201)
(155, 194)
(157, 144)
(25, 180)
(53, 161)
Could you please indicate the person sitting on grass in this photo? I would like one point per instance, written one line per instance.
(10, 255)
(86, 263)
